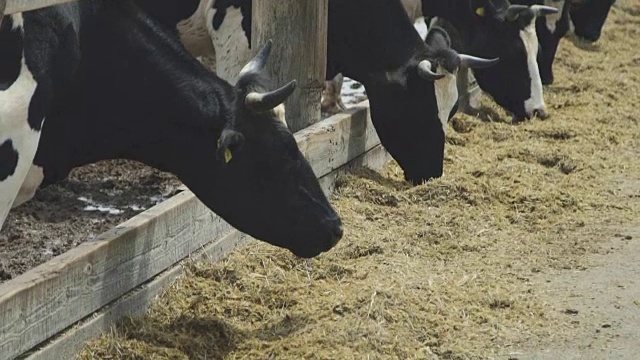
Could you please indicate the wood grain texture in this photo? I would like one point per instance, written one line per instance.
(298, 29)
(53, 296)
(135, 303)
(16, 6)
(69, 343)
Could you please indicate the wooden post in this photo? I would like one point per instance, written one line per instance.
(299, 32)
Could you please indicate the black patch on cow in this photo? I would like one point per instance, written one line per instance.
(169, 13)
(8, 159)
(589, 17)
(53, 58)
(11, 54)
(245, 10)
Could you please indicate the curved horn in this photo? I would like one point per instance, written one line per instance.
(541, 10)
(260, 102)
(257, 63)
(473, 62)
(424, 70)
(513, 11)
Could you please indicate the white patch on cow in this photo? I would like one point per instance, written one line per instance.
(552, 19)
(422, 28)
(14, 112)
(18, 21)
(194, 32)
(446, 95)
(530, 40)
(230, 43)
(280, 113)
(31, 183)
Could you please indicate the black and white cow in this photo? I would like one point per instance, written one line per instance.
(138, 94)
(38, 56)
(589, 16)
(496, 28)
(384, 52)
(550, 30)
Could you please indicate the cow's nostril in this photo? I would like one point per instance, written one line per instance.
(338, 232)
(540, 113)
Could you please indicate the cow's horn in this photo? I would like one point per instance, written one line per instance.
(473, 62)
(541, 10)
(424, 70)
(514, 11)
(257, 63)
(260, 102)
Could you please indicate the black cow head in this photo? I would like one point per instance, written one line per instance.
(588, 17)
(256, 178)
(400, 73)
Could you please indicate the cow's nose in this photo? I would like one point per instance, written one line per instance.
(547, 80)
(540, 113)
(338, 232)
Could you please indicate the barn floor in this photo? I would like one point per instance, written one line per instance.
(92, 200)
(527, 248)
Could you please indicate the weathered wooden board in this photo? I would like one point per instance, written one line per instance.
(51, 297)
(15, 6)
(69, 343)
(298, 29)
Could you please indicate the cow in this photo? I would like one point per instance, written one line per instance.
(516, 84)
(36, 66)
(589, 16)
(331, 94)
(138, 94)
(384, 52)
(550, 29)
(496, 28)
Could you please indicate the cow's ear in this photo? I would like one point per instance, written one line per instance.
(230, 142)
(438, 38)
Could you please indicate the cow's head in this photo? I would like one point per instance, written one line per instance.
(550, 29)
(410, 84)
(499, 29)
(588, 17)
(253, 174)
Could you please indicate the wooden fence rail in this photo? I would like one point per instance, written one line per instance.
(39, 304)
(16, 6)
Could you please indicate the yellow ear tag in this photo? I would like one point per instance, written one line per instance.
(480, 11)
(227, 153)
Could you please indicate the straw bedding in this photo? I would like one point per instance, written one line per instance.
(442, 270)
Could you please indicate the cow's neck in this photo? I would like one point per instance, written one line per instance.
(391, 41)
